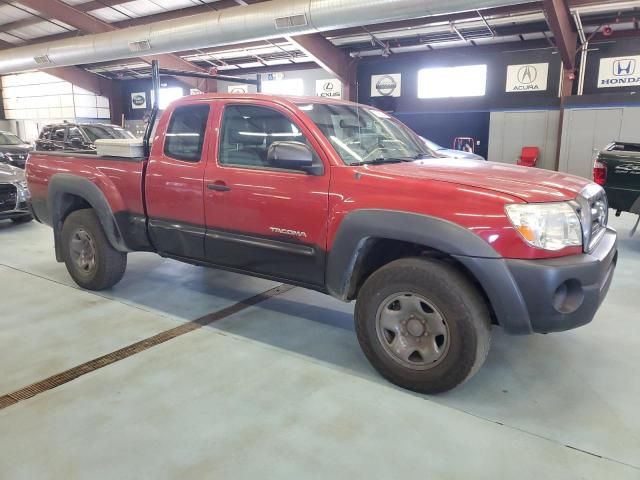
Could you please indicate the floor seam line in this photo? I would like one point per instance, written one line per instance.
(127, 351)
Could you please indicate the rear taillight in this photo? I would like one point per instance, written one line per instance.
(599, 172)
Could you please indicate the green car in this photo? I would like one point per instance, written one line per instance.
(617, 169)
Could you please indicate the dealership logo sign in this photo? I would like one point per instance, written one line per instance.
(619, 72)
(388, 85)
(329, 88)
(139, 100)
(527, 78)
(238, 88)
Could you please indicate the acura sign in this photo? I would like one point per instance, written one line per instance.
(619, 72)
(530, 77)
(386, 85)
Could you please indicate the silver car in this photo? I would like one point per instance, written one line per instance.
(440, 151)
(14, 195)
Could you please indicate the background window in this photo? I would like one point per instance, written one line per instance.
(185, 135)
(288, 86)
(466, 81)
(249, 131)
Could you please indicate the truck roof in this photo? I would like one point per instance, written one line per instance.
(290, 100)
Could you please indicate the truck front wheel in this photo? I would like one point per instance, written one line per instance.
(422, 324)
(90, 259)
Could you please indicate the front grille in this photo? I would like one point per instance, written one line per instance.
(594, 214)
(17, 160)
(8, 197)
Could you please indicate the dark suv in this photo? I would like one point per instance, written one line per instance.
(77, 137)
(13, 150)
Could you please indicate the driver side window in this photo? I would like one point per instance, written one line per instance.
(248, 131)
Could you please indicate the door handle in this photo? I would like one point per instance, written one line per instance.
(218, 187)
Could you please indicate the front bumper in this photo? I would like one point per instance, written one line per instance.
(547, 295)
(13, 201)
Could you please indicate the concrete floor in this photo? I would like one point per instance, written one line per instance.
(281, 389)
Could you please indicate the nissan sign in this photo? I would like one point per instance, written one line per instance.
(330, 88)
(386, 85)
(529, 77)
(138, 100)
(619, 72)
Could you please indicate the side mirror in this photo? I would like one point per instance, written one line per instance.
(293, 156)
(76, 142)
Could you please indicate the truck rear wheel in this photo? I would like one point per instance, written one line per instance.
(90, 259)
(422, 324)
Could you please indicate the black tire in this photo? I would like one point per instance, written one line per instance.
(108, 263)
(22, 219)
(453, 297)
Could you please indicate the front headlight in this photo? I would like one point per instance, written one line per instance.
(23, 191)
(551, 226)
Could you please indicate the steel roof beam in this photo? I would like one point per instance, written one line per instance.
(329, 57)
(561, 25)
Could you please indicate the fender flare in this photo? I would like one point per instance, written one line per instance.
(63, 183)
(358, 228)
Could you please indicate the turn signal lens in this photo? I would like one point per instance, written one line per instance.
(551, 226)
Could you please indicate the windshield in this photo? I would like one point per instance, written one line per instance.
(365, 135)
(9, 139)
(432, 145)
(95, 132)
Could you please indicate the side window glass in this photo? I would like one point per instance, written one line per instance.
(185, 135)
(74, 132)
(248, 131)
(46, 132)
(58, 134)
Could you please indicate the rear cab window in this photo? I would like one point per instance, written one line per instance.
(185, 134)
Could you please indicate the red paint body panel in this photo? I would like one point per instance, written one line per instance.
(120, 181)
(469, 193)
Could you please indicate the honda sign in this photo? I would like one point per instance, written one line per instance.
(619, 72)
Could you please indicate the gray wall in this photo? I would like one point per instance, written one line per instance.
(510, 131)
(588, 129)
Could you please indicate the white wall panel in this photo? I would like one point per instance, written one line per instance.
(510, 131)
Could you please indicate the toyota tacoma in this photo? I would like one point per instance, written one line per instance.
(343, 199)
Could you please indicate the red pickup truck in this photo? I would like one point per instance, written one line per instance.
(343, 199)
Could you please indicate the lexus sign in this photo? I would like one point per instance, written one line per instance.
(386, 85)
(619, 72)
(529, 77)
(330, 88)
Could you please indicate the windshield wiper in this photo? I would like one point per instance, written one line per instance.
(420, 156)
(381, 160)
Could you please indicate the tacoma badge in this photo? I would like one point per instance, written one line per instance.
(284, 231)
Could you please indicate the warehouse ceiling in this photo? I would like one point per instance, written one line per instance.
(30, 22)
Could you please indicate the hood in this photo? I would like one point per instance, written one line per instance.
(9, 174)
(526, 183)
(450, 153)
(24, 148)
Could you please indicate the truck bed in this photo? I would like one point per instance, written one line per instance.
(622, 161)
(119, 178)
